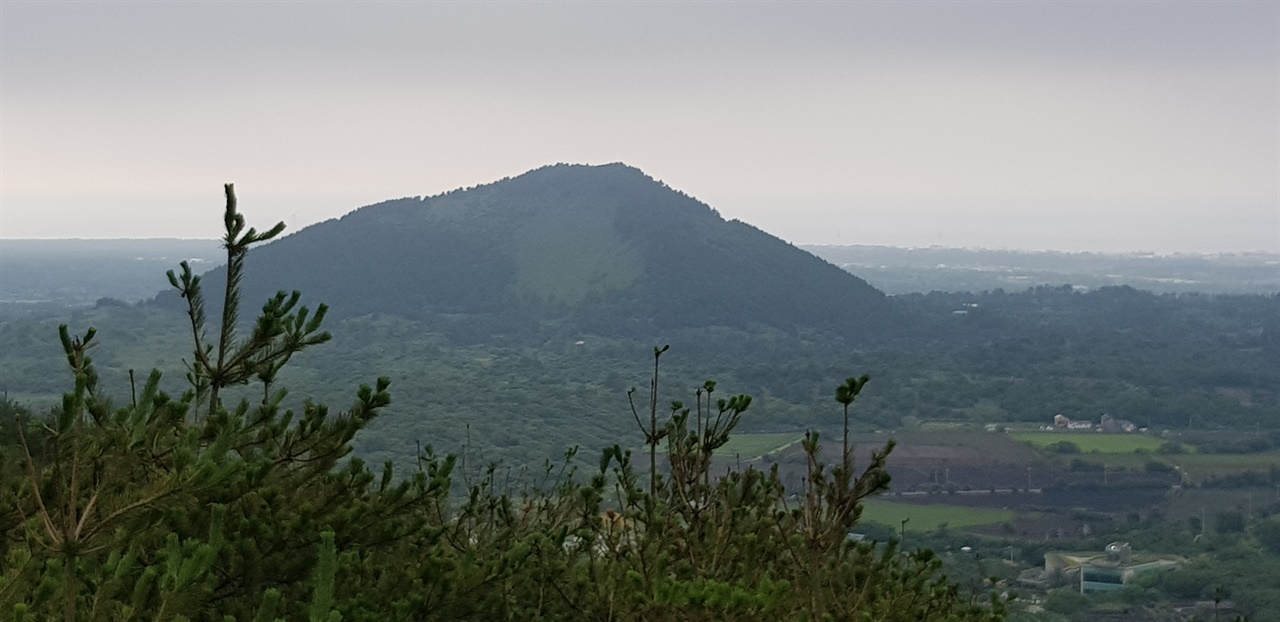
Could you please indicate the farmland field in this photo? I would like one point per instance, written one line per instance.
(752, 446)
(1197, 467)
(930, 517)
(747, 446)
(1091, 442)
(1226, 461)
(1206, 502)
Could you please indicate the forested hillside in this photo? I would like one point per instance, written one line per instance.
(605, 249)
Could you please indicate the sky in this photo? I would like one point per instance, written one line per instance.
(1076, 126)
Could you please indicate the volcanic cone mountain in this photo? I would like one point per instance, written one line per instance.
(606, 248)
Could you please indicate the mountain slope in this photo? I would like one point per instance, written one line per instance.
(604, 247)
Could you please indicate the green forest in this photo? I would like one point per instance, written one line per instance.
(159, 506)
(1166, 362)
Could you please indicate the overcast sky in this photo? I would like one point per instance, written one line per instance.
(1112, 126)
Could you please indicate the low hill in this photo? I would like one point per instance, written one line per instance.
(605, 249)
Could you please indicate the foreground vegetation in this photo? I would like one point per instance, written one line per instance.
(198, 508)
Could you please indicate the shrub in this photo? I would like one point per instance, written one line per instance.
(1063, 447)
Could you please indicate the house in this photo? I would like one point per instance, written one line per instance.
(1110, 571)
(1112, 424)
(1061, 421)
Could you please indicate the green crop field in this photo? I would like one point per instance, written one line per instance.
(1204, 503)
(931, 517)
(752, 446)
(1090, 442)
(1226, 461)
(1197, 467)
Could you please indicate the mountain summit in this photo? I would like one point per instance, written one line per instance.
(605, 247)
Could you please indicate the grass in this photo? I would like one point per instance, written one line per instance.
(948, 426)
(1207, 502)
(1092, 442)
(752, 446)
(931, 517)
(998, 446)
(568, 261)
(1230, 461)
(1196, 466)
(749, 446)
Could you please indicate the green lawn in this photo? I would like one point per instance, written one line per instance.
(1090, 442)
(930, 517)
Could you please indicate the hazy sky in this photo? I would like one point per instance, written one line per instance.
(1038, 125)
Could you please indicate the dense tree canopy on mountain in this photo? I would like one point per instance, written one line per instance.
(606, 246)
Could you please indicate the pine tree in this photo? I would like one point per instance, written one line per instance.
(180, 508)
